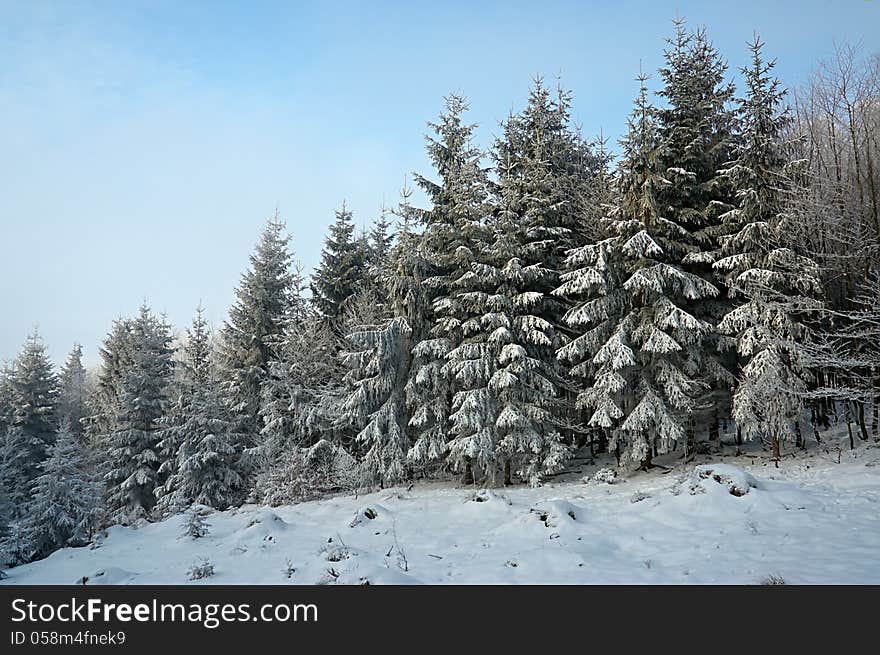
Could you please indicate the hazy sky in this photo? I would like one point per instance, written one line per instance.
(143, 144)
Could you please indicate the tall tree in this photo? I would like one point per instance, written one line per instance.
(637, 342)
(197, 438)
(449, 245)
(256, 321)
(34, 388)
(377, 353)
(73, 393)
(342, 267)
(776, 283)
(64, 500)
(697, 126)
(302, 394)
(133, 444)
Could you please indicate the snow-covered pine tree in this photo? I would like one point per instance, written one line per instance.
(448, 245)
(637, 342)
(697, 126)
(13, 486)
(133, 456)
(116, 358)
(341, 271)
(774, 283)
(302, 394)
(506, 411)
(34, 397)
(377, 357)
(380, 243)
(554, 173)
(256, 321)
(5, 397)
(73, 393)
(64, 500)
(197, 438)
(15, 469)
(196, 525)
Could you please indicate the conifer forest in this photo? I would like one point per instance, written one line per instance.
(705, 289)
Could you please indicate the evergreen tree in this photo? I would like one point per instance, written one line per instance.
(64, 500)
(15, 470)
(697, 127)
(197, 439)
(381, 240)
(637, 342)
(507, 411)
(6, 418)
(448, 246)
(34, 391)
(302, 394)
(377, 358)
(549, 176)
(255, 323)
(342, 267)
(73, 393)
(133, 444)
(195, 526)
(775, 283)
(116, 359)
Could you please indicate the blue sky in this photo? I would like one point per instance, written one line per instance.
(143, 144)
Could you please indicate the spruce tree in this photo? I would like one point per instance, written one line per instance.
(376, 355)
(507, 411)
(73, 392)
(205, 471)
(772, 283)
(341, 271)
(197, 438)
(302, 394)
(256, 321)
(697, 126)
(116, 359)
(549, 174)
(64, 500)
(15, 470)
(637, 342)
(133, 444)
(6, 418)
(448, 246)
(34, 396)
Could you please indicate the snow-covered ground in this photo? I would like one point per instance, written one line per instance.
(726, 520)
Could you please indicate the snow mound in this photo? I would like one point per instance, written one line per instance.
(488, 496)
(737, 481)
(366, 515)
(262, 529)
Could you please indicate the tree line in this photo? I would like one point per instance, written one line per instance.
(721, 275)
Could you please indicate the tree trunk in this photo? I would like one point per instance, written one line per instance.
(648, 463)
(714, 427)
(777, 454)
(875, 419)
(691, 445)
(468, 477)
(799, 437)
(507, 480)
(860, 417)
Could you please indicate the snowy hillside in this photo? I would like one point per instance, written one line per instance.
(731, 520)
